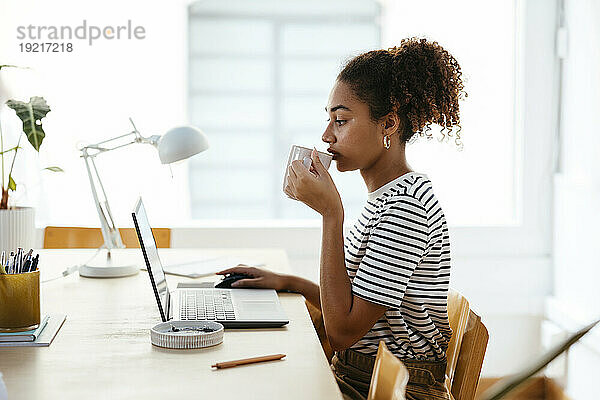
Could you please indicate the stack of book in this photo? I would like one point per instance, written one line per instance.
(42, 336)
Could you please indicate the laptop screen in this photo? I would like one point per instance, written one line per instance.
(151, 255)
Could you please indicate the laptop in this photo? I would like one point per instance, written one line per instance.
(233, 308)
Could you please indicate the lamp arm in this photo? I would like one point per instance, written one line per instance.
(102, 147)
(110, 233)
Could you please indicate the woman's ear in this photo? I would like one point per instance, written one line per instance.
(391, 124)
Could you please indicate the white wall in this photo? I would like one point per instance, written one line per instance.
(92, 91)
(504, 272)
(577, 196)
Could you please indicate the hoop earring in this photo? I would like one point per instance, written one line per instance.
(386, 142)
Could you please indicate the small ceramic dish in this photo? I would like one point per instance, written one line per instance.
(187, 334)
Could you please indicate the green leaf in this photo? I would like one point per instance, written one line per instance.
(11, 183)
(31, 115)
(55, 169)
(14, 148)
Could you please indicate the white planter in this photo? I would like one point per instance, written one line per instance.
(3, 392)
(17, 229)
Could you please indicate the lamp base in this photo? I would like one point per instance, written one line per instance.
(108, 269)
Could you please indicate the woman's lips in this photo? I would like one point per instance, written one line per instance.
(334, 153)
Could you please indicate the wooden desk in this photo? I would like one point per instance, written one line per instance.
(103, 350)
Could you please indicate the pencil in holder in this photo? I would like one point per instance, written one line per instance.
(19, 301)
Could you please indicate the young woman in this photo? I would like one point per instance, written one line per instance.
(389, 280)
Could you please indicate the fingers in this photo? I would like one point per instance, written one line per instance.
(291, 171)
(288, 191)
(298, 169)
(290, 188)
(291, 180)
(240, 269)
(314, 154)
(316, 161)
(246, 283)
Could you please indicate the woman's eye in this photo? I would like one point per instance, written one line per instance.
(339, 122)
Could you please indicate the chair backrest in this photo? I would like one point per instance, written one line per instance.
(458, 316)
(66, 237)
(470, 359)
(389, 378)
(317, 319)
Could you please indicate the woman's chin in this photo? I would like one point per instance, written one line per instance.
(341, 166)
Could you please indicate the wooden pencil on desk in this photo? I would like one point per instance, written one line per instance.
(235, 363)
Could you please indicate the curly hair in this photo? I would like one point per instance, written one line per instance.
(419, 80)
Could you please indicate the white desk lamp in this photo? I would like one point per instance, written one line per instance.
(175, 145)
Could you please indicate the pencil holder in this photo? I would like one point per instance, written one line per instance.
(19, 301)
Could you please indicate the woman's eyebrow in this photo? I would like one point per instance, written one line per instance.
(338, 107)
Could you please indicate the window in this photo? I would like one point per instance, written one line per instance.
(479, 185)
(259, 78)
(254, 112)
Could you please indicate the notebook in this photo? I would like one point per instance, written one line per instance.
(25, 336)
(55, 321)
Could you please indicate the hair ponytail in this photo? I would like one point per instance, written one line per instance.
(419, 80)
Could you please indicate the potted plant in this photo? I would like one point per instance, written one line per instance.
(17, 224)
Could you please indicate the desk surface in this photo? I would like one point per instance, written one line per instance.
(103, 350)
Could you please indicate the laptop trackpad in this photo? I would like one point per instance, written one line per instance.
(257, 309)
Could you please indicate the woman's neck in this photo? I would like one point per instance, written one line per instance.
(391, 165)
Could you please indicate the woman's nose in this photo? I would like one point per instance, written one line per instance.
(327, 136)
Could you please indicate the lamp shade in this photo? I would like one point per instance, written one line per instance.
(180, 143)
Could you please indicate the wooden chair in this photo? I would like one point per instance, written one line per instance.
(465, 353)
(317, 319)
(389, 378)
(458, 316)
(61, 237)
(470, 338)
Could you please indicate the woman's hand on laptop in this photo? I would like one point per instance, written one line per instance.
(260, 278)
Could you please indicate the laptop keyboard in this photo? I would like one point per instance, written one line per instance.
(210, 305)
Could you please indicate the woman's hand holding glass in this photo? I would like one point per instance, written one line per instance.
(314, 187)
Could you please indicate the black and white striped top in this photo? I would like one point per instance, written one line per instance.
(398, 255)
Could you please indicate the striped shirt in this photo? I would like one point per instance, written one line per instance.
(398, 255)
